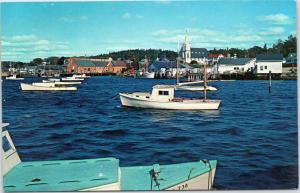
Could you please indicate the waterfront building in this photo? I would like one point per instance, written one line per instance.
(234, 65)
(291, 59)
(95, 66)
(188, 54)
(214, 58)
(268, 62)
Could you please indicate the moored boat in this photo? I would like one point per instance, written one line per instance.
(72, 78)
(45, 87)
(100, 174)
(195, 88)
(14, 77)
(62, 83)
(162, 97)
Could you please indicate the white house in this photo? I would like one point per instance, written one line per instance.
(189, 54)
(234, 65)
(268, 62)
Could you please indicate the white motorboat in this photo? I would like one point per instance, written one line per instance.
(72, 78)
(162, 97)
(14, 77)
(142, 74)
(99, 174)
(62, 83)
(42, 86)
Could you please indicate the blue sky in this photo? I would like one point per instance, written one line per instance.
(40, 29)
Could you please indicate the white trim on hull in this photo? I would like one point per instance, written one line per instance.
(29, 87)
(202, 182)
(186, 104)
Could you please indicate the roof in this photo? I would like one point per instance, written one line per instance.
(120, 63)
(163, 64)
(214, 55)
(269, 57)
(234, 61)
(199, 53)
(163, 86)
(89, 63)
(61, 175)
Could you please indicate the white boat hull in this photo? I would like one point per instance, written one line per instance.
(30, 87)
(196, 88)
(72, 79)
(13, 78)
(62, 83)
(186, 104)
(202, 182)
(150, 75)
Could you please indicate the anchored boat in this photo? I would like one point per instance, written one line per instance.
(45, 86)
(103, 174)
(61, 83)
(14, 77)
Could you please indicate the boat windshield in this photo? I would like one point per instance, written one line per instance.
(5, 144)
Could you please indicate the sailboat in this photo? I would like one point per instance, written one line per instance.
(99, 174)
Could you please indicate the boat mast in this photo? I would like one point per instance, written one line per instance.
(204, 81)
(177, 64)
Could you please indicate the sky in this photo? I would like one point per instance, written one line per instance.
(42, 29)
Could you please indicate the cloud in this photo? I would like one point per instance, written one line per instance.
(273, 31)
(126, 16)
(210, 38)
(72, 19)
(27, 47)
(278, 19)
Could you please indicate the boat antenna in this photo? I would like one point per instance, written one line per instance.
(204, 81)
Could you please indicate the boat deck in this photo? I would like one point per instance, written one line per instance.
(139, 178)
(66, 175)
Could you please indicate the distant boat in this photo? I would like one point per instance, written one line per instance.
(196, 88)
(100, 174)
(72, 78)
(14, 77)
(80, 76)
(142, 74)
(42, 86)
(61, 83)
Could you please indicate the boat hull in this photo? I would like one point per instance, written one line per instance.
(72, 79)
(29, 87)
(191, 104)
(12, 78)
(150, 75)
(195, 88)
(62, 83)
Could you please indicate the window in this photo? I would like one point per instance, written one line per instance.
(5, 144)
(266, 67)
(261, 67)
(162, 92)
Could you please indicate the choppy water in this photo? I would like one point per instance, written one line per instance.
(253, 135)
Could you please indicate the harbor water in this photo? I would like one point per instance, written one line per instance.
(253, 135)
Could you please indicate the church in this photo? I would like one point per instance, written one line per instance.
(188, 54)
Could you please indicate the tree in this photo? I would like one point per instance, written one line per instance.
(37, 61)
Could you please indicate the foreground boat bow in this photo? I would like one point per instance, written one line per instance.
(103, 174)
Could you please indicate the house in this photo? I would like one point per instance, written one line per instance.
(291, 59)
(214, 58)
(88, 66)
(234, 65)
(188, 54)
(119, 67)
(268, 62)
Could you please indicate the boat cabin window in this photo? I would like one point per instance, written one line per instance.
(5, 144)
(163, 92)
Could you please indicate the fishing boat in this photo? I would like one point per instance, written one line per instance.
(144, 72)
(100, 174)
(42, 86)
(80, 76)
(163, 97)
(195, 88)
(61, 83)
(14, 77)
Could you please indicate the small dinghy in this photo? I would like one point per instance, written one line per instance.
(42, 86)
(102, 174)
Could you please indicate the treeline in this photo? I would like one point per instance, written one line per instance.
(284, 47)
